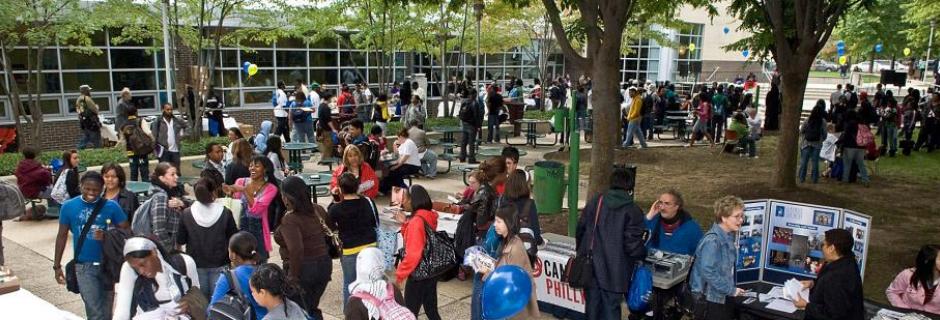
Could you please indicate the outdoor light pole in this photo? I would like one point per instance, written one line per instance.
(933, 25)
(478, 10)
(166, 51)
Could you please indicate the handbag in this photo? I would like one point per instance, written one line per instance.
(71, 279)
(198, 303)
(60, 192)
(438, 255)
(386, 240)
(688, 301)
(580, 269)
(334, 244)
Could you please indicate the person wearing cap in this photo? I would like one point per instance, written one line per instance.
(88, 120)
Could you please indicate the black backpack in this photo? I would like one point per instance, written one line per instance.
(466, 111)
(233, 305)
(370, 153)
(112, 253)
(812, 133)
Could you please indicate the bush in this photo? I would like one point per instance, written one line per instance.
(97, 157)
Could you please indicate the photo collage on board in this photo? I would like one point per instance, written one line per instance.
(750, 235)
(797, 233)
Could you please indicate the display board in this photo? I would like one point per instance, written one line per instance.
(751, 241)
(859, 225)
(550, 265)
(795, 234)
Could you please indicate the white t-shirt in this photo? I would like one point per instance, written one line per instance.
(278, 166)
(410, 149)
(314, 99)
(279, 110)
(171, 139)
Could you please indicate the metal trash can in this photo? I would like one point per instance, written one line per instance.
(549, 186)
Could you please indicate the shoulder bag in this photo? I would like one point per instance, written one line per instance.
(688, 301)
(334, 245)
(386, 240)
(438, 255)
(71, 279)
(580, 269)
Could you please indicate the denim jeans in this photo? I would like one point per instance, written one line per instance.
(854, 156)
(634, 129)
(492, 125)
(648, 126)
(889, 137)
(171, 157)
(748, 145)
(303, 132)
(602, 304)
(348, 263)
(476, 300)
(215, 127)
(207, 279)
(807, 154)
(90, 138)
(429, 164)
(140, 168)
(468, 140)
(97, 297)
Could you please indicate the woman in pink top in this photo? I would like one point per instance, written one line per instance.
(916, 288)
(257, 192)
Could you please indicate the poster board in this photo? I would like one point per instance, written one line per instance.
(859, 225)
(550, 265)
(750, 241)
(794, 233)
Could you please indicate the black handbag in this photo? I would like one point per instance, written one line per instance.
(438, 255)
(71, 279)
(580, 269)
(690, 302)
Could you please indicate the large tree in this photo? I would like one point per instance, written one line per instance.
(864, 28)
(602, 24)
(792, 32)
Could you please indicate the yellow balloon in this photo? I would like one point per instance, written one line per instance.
(842, 60)
(907, 51)
(691, 47)
(252, 69)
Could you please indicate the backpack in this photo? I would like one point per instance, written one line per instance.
(112, 253)
(12, 201)
(812, 133)
(88, 119)
(864, 136)
(370, 153)
(389, 309)
(466, 112)
(60, 192)
(233, 305)
(298, 115)
(141, 224)
(137, 141)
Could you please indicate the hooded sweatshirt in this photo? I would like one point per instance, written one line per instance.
(205, 230)
(32, 178)
(617, 238)
(261, 140)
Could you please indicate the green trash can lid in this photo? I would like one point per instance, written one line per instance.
(549, 164)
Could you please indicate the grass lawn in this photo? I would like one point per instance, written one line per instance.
(902, 197)
(835, 75)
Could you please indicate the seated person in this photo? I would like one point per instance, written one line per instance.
(408, 163)
(427, 156)
(463, 197)
(672, 228)
(32, 178)
(353, 163)
(354, 132)
(377, 137)
(916, 288)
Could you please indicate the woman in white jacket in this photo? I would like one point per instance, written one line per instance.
(152, 286)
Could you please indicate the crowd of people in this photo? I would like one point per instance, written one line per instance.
(156, 258)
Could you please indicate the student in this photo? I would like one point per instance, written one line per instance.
(257, 192)
(353, 163)
(237, 168)
(355, 218)
(205, 228)
(168, 204)
(74, 215)
(418, 293)
(513, 252)
(153, 284)
(32, 178)
(70, 163)
(409, 163)
(275, 153)
(115, 188)
(270, 288)
(371, 281)
(916, 288)
(243, 253)
(837, 291)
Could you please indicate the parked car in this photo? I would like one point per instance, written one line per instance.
(823, 65)
(879, 65)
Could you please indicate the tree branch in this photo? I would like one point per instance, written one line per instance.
(554, 16)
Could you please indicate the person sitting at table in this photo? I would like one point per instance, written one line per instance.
(463, 197)
(837, 291)
(215, 158)
(376, 136)
(275, 153)
(409, 163)
(354, 132)
(711, 279)
(33, 179)
(241, 159)
(353, 163)
(115, 189)
(916, 288)
(427, 156)
(672, 229)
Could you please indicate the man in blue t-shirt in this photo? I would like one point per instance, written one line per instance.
(72, 218)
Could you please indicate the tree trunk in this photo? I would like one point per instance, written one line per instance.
(793, 86)
(606, 113)
(13, 92)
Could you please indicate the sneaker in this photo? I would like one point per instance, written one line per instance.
(641, 147)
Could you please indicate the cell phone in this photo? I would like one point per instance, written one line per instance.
(750, 300)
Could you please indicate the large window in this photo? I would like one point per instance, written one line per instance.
(688, 62)
(290, 77)
(324, 76)
(264, 78)
(102, 102)
(353, 59)
(131, 59)
(291, 59)
(137, 80)
(18, 59)
(97, 80)
(323, 59)
(49, 83)
(72, 60)
(47, 106)
(262, 58)
(230, 58)
(256, 97)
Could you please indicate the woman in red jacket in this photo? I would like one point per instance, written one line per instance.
(352, 163)
(417, 292)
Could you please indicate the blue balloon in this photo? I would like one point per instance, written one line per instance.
(841, 51)
(746, 53)
(878, 48)
(506, 292)
(245, 66)
(726, 30)
(840, 44)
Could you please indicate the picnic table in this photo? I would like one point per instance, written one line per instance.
(314, 180)
(139, 188)
(199, 164)
(448, 132)
(295, 154)
(531, 134)
(496, 152)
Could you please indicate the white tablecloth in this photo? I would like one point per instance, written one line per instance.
(23, 304)
(446, 222)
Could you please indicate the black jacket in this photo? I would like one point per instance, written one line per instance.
(476, 112)
(618, 240)
(837, 293)
(483, 208)
(849, 134)
(128, 202)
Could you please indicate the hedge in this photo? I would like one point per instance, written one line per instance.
(97, 157)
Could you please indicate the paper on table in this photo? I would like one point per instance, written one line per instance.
(452, 199)
(793, 288)
(782, 306)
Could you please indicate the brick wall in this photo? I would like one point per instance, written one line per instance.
(55, 135)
